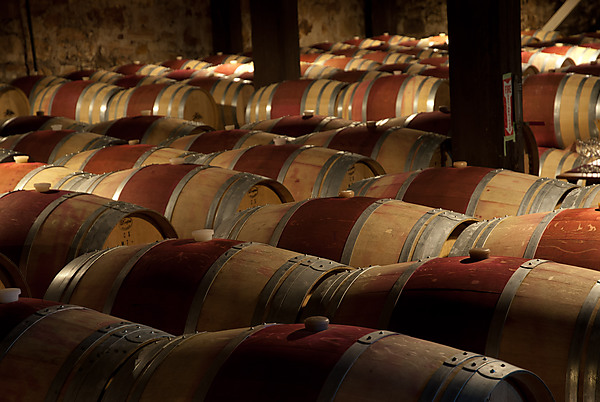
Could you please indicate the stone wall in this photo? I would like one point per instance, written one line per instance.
(74, 34)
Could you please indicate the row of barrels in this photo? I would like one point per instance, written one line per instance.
(561, 108)
(443, 220)
(96, 356)
(144, 281)
(193, 196)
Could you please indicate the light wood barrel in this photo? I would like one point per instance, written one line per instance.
(98, 356)
(48, 146)
(292, 361)
(293, 98)
(579, 54)
(136, 80)
(512, 298)
(546, 62)
(25, 124)
(176, 100)
(410, 94)
(566, 235)
(13, 102)
(297, 125)
(181, 63)
(190, 196)
(358, 231)
(31, 85)
(151, 130)
(484, 193)
(43, 231)
(73, 353)
(221, 140)
(119, 157)
(23, 176)
(397, 149)
(306, 171)
(554, 161)
(84, 101)
(232, 97)
(184, 286)
(561, 108)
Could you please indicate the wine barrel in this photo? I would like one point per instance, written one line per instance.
(119, 157)
(293, 98)
(583, 197)
(484, 193)
(176, 100)
(436, 122)
(357, 75)
(546, 62)
(561, 108)
(108, 77)
(358, 231)
(48, 146)
(388, 57)
(70, 352)
(298, 125)
(554, 161)
(233, 69)
(334, 362)
(512, 298)
(579, 54)
(184, 286)
(352, 63)
(316, 71)
(25, 124)
(232, 97)
(221, 140)
(306, 171)
(84, 101)
(43, 231)
(151, 130)
(31, 85)
(397, 149)
(141, 69)
(586, 69)
(369, 100)
(190, 196)
(100, 357)
(13, 102)
(567, 236)
(221, 58)
(393, 40)
(23, 176)
(179, 63)
(136, 80)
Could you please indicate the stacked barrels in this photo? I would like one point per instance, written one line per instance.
(181, 199)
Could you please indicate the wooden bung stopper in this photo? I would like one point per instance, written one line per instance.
(133, 142)
(316, 323)
(42, 187)
(229, 127)
(459, 164)
(202, 235)
(21, 158)
(279, 140)
(9, 295)
(146, 112)
(308, 113)
(346, 194)
(478, 253)
(56, 127)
